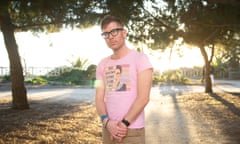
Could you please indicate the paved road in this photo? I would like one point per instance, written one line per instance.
(76, 94)
(63, 95)
(165, 123)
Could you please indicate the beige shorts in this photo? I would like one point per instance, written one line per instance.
(134, 136)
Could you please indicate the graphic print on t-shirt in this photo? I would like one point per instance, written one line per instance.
(117, 78)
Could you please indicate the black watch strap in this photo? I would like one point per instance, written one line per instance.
(125, 122)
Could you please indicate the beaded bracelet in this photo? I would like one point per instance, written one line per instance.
(106, 123)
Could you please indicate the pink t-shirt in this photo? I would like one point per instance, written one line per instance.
(120, 78)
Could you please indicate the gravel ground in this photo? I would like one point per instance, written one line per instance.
(172, 116)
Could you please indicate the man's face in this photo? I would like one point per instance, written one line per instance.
(114, 35)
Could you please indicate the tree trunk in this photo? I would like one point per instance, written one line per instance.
(206, 69)
(19, 96)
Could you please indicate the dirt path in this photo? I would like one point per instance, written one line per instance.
(189, 119)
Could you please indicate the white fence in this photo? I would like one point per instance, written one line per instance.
(4, 71)
(48, 71)
(35, 71)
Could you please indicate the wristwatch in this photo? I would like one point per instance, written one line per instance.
(125, 122)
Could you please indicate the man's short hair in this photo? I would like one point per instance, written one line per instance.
(108, 19)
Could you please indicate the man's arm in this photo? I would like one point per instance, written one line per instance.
(144, 85)
(99, 99)
(112, 126)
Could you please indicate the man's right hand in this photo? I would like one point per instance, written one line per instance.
(117, 129)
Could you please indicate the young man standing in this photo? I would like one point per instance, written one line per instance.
(122, 112)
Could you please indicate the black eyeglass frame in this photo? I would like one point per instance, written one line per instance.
(113, 32)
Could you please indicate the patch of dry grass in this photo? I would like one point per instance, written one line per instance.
(51, 123)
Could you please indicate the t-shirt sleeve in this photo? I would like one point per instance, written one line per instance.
(100, 71)
(143, 63)
(99, 75)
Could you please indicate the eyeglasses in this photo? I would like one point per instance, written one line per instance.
(113, 32)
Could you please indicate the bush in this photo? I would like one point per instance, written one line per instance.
(66, 76)
(173, 77)
(37, 80)
(72, 76)
(156, 80)
(6, 78)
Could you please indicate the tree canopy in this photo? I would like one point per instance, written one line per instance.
(202, 23)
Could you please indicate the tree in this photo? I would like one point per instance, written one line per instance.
(16, 71)
(203, 23)
(229, 53)
(37, 15)
(227, 56)
(208, 23)
(79, 63)
(91, 74)
(50, 16)
(91, 71)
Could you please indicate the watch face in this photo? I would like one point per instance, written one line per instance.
(125, 122)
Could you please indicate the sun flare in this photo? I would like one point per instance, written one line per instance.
(57, 49)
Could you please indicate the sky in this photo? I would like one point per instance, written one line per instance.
(57, 49)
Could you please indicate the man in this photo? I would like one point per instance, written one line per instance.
(122, 112)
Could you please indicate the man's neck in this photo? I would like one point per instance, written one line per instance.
(120, 53)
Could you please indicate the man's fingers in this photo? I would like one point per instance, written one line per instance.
(117, 136)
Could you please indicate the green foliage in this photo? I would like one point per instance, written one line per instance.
(173, 77)
(6, 78)
(59, 71)
(91, 72)
(74, 77)
(156, 80)
(229, 55)
(45, 15)
(37, 81)
(71, 76)
(42, 15)
(79, 63)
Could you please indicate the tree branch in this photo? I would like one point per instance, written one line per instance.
(225, 2)
(38, 25)
(31, 26)
(159, 21)
(217, 25)
(210, 36)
